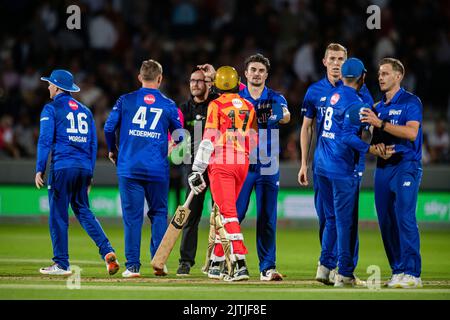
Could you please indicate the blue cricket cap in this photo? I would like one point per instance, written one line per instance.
(353, 68)
(63, 79)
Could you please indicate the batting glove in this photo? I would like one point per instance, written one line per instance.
(196, 182)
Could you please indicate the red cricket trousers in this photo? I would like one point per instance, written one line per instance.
(226, 181)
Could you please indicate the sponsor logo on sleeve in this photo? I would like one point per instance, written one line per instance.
(73, 105)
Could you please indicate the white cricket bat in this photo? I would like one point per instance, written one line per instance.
(171, 236)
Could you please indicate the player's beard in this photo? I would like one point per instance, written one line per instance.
(253, 84)
(199, 94)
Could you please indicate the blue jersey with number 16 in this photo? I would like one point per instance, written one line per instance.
(144, 118)
(67, 129)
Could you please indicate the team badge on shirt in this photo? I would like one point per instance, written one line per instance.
(335, 98)
(237, 103)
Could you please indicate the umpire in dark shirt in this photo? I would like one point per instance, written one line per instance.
(194, 111)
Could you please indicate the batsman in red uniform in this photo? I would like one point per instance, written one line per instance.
(230, 135)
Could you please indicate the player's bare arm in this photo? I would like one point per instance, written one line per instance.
(286, 116)
(305, 143)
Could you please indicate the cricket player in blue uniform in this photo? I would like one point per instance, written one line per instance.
(68, 131)
(314, 107)
(144, 118)
(336, 167)
(398, 121)
(263, 175)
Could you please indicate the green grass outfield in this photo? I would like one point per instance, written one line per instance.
(26, 248)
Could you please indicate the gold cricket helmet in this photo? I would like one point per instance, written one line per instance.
(226, 79)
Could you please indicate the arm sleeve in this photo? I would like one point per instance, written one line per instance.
(94, 144)
(46, 137)
(277, 108)
(111, 124)
(212, 122)
(175, 122)
(212, 118)
(351, 129)
(253, 134)
(414, 110)
(308, 109)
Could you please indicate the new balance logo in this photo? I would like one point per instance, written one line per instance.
(407, 183)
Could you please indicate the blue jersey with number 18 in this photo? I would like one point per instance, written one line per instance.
(339, 146)
(144, 118)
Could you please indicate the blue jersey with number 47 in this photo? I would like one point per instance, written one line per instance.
(339, 146)
(67, 129)
(144, 118)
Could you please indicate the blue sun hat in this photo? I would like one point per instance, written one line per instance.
(63, 79)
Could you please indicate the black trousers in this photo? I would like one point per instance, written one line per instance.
(189, 239)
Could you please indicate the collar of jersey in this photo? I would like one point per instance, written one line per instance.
(394, 98)
(263, 96)
(148, 89)
(337, 84)
(349, 88)
(60, 96)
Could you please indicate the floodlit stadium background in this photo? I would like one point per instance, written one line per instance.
(115, 37)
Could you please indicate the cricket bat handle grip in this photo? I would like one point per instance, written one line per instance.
(189, 199)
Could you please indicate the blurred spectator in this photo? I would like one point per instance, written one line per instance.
(26, 136)
(304, 63)
(7, 143)
(89, 93)
(102, 33)
(116, 35)
(439, 142)
(10, 77)
(426, 157)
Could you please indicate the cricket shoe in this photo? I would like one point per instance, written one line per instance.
(131, 272)
(359, 282)
(215, 270)
(112, 264)
(342, 281)
(55, 270)
(410, 282)
(240, 272)
(323, 274)
(205, 269)
(332, 276)
(184, 269)
(395, 280)
(270, 275)
(161, 272)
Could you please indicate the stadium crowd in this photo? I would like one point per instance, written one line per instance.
(115, 36)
